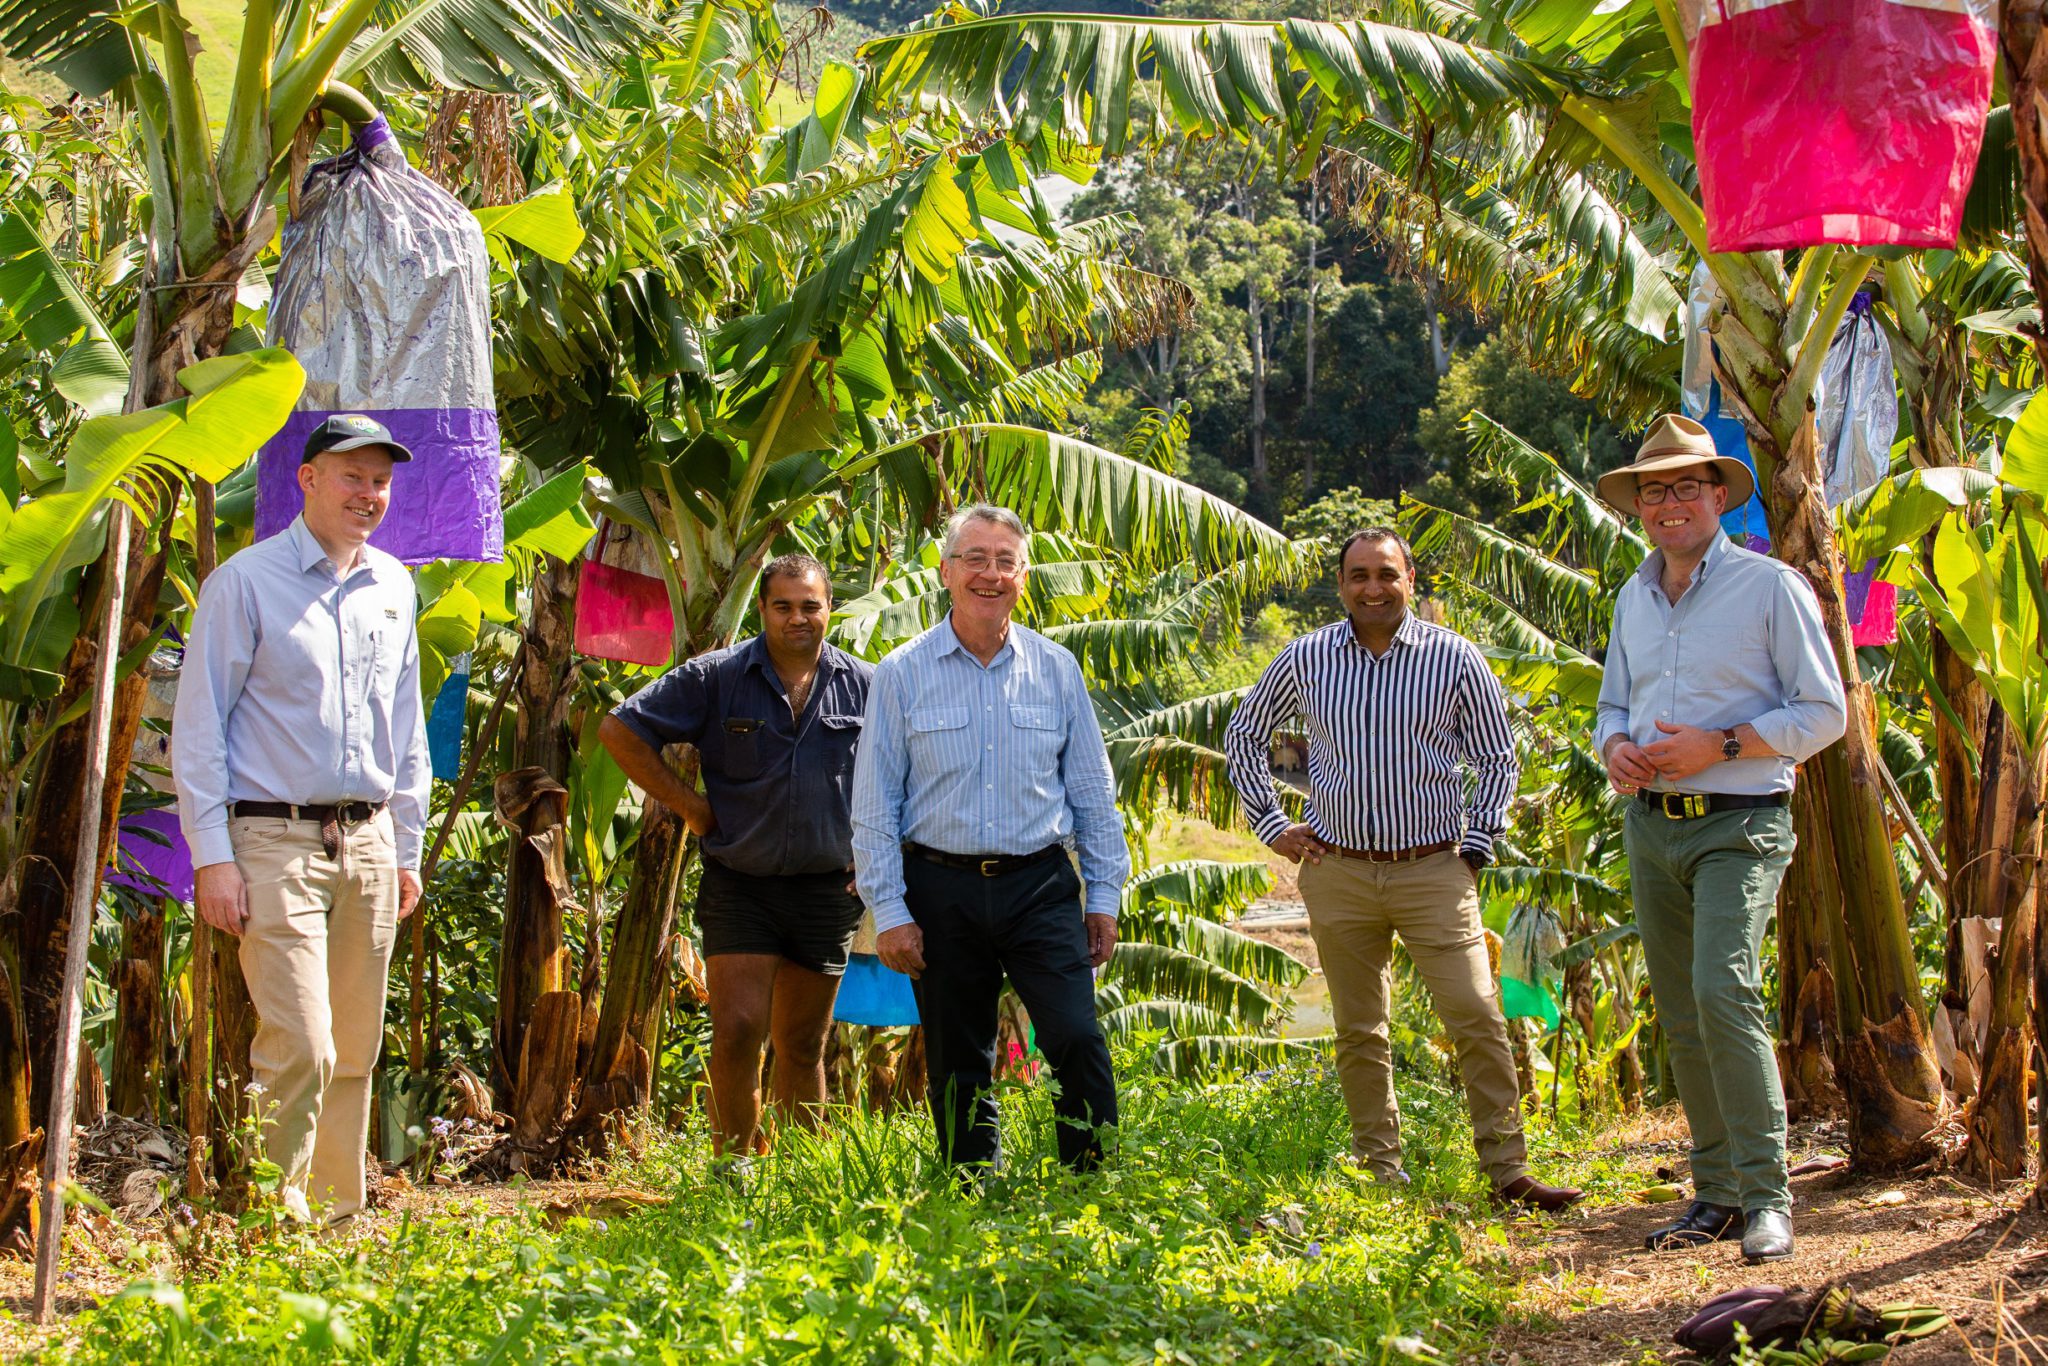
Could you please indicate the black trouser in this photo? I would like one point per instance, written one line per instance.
(1028, 924)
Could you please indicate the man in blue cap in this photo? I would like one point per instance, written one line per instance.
(299, 751)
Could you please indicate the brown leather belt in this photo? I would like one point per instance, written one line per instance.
(330, 818)
(988, 865)
(1395, 855)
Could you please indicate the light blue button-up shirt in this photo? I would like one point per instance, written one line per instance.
(1002, 759)
(1745, 643)
(300, 686)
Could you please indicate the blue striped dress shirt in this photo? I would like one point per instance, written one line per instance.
(1002, 759)
(1390, 740)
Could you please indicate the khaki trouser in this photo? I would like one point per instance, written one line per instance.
(1355, 908)
(316, 952)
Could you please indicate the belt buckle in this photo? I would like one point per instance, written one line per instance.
(1683, 806)
(986, 869)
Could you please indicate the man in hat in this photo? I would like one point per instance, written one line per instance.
(299, 751)
(1720, 678)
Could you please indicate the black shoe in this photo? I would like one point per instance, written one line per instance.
(1767, 1236)
(1702, 1224)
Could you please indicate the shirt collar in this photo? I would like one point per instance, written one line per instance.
(949, 640)
(310, 552)
(759, 658)
(1404, 634)
(1651, 570)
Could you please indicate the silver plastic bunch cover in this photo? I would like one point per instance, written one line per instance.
(383, 294)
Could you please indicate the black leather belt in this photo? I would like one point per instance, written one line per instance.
(988, 865)
(1685, 806)
(330, 818)
(348, 813)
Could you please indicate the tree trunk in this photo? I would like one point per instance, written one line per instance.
(1308, 345)
(1996, 1123)
(21, 1138)
(1807, 900)
(532, 961)
(1982, 883)
(1628, 1059)
(1886, 1066)
(1255, 323)
(637, 980)
(536, 880)
(137, 1078)
(234, 1029)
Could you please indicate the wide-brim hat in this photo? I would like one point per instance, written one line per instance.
(1674, 443)
(349, 432)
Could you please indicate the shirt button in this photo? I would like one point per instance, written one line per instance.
(1667, 673)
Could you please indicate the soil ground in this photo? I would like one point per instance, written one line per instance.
(1592, 1294)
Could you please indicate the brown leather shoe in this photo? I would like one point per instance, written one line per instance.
(1527, 1190)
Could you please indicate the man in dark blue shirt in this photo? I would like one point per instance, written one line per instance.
(775, 721)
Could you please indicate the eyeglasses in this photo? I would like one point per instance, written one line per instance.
(981, 562)
(1684, 490)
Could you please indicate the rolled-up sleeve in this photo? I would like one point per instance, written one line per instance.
(1815, 713)
(1489, 743)
(671, 710)
(412, 788)
(218, 650)
(1615, 682)
(881, 768)
(1246, 744)
(1091, 796)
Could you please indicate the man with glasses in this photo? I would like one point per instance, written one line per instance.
(1720, 678)
(983, 764)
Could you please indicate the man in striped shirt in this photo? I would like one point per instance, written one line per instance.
(981, 765)
(1400, 714)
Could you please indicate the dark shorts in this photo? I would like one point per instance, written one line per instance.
(808, 918)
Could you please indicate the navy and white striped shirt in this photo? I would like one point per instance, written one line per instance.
(1002, 758)
(1390, 740)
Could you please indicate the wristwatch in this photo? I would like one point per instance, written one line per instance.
(1731, 747)
(1474, 859)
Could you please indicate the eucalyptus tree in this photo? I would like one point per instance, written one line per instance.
(1553, 113)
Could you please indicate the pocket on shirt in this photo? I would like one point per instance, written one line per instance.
(842, 737)
(740, 748)
(1039, 733)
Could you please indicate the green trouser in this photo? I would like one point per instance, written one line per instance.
(1705, 889)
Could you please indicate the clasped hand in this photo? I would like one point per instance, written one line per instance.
(1684, 751)
(902, 948)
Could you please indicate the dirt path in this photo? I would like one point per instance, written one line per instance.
(1591, 1294)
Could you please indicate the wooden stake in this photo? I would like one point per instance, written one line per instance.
(198, 1076)
(84, 882)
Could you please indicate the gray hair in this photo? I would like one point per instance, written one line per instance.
(994, 516)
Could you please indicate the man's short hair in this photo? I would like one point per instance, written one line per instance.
(796, 564)
(1377, 533)
(994, 516)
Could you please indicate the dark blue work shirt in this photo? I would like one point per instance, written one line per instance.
(781, 787)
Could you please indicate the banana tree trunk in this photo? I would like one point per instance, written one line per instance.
(136, 1080)
(530, 962)
(1886, 1065)
(1996, 1123)
(1807, 1043)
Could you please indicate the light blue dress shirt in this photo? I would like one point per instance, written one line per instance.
(1744, 644)
(301, 687)
(1002, 759)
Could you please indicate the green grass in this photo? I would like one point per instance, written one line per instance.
(1221, 1231)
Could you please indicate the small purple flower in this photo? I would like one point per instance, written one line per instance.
(747, 1224)
(1313, 1251)
(185, 1214)
(442, 1127)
